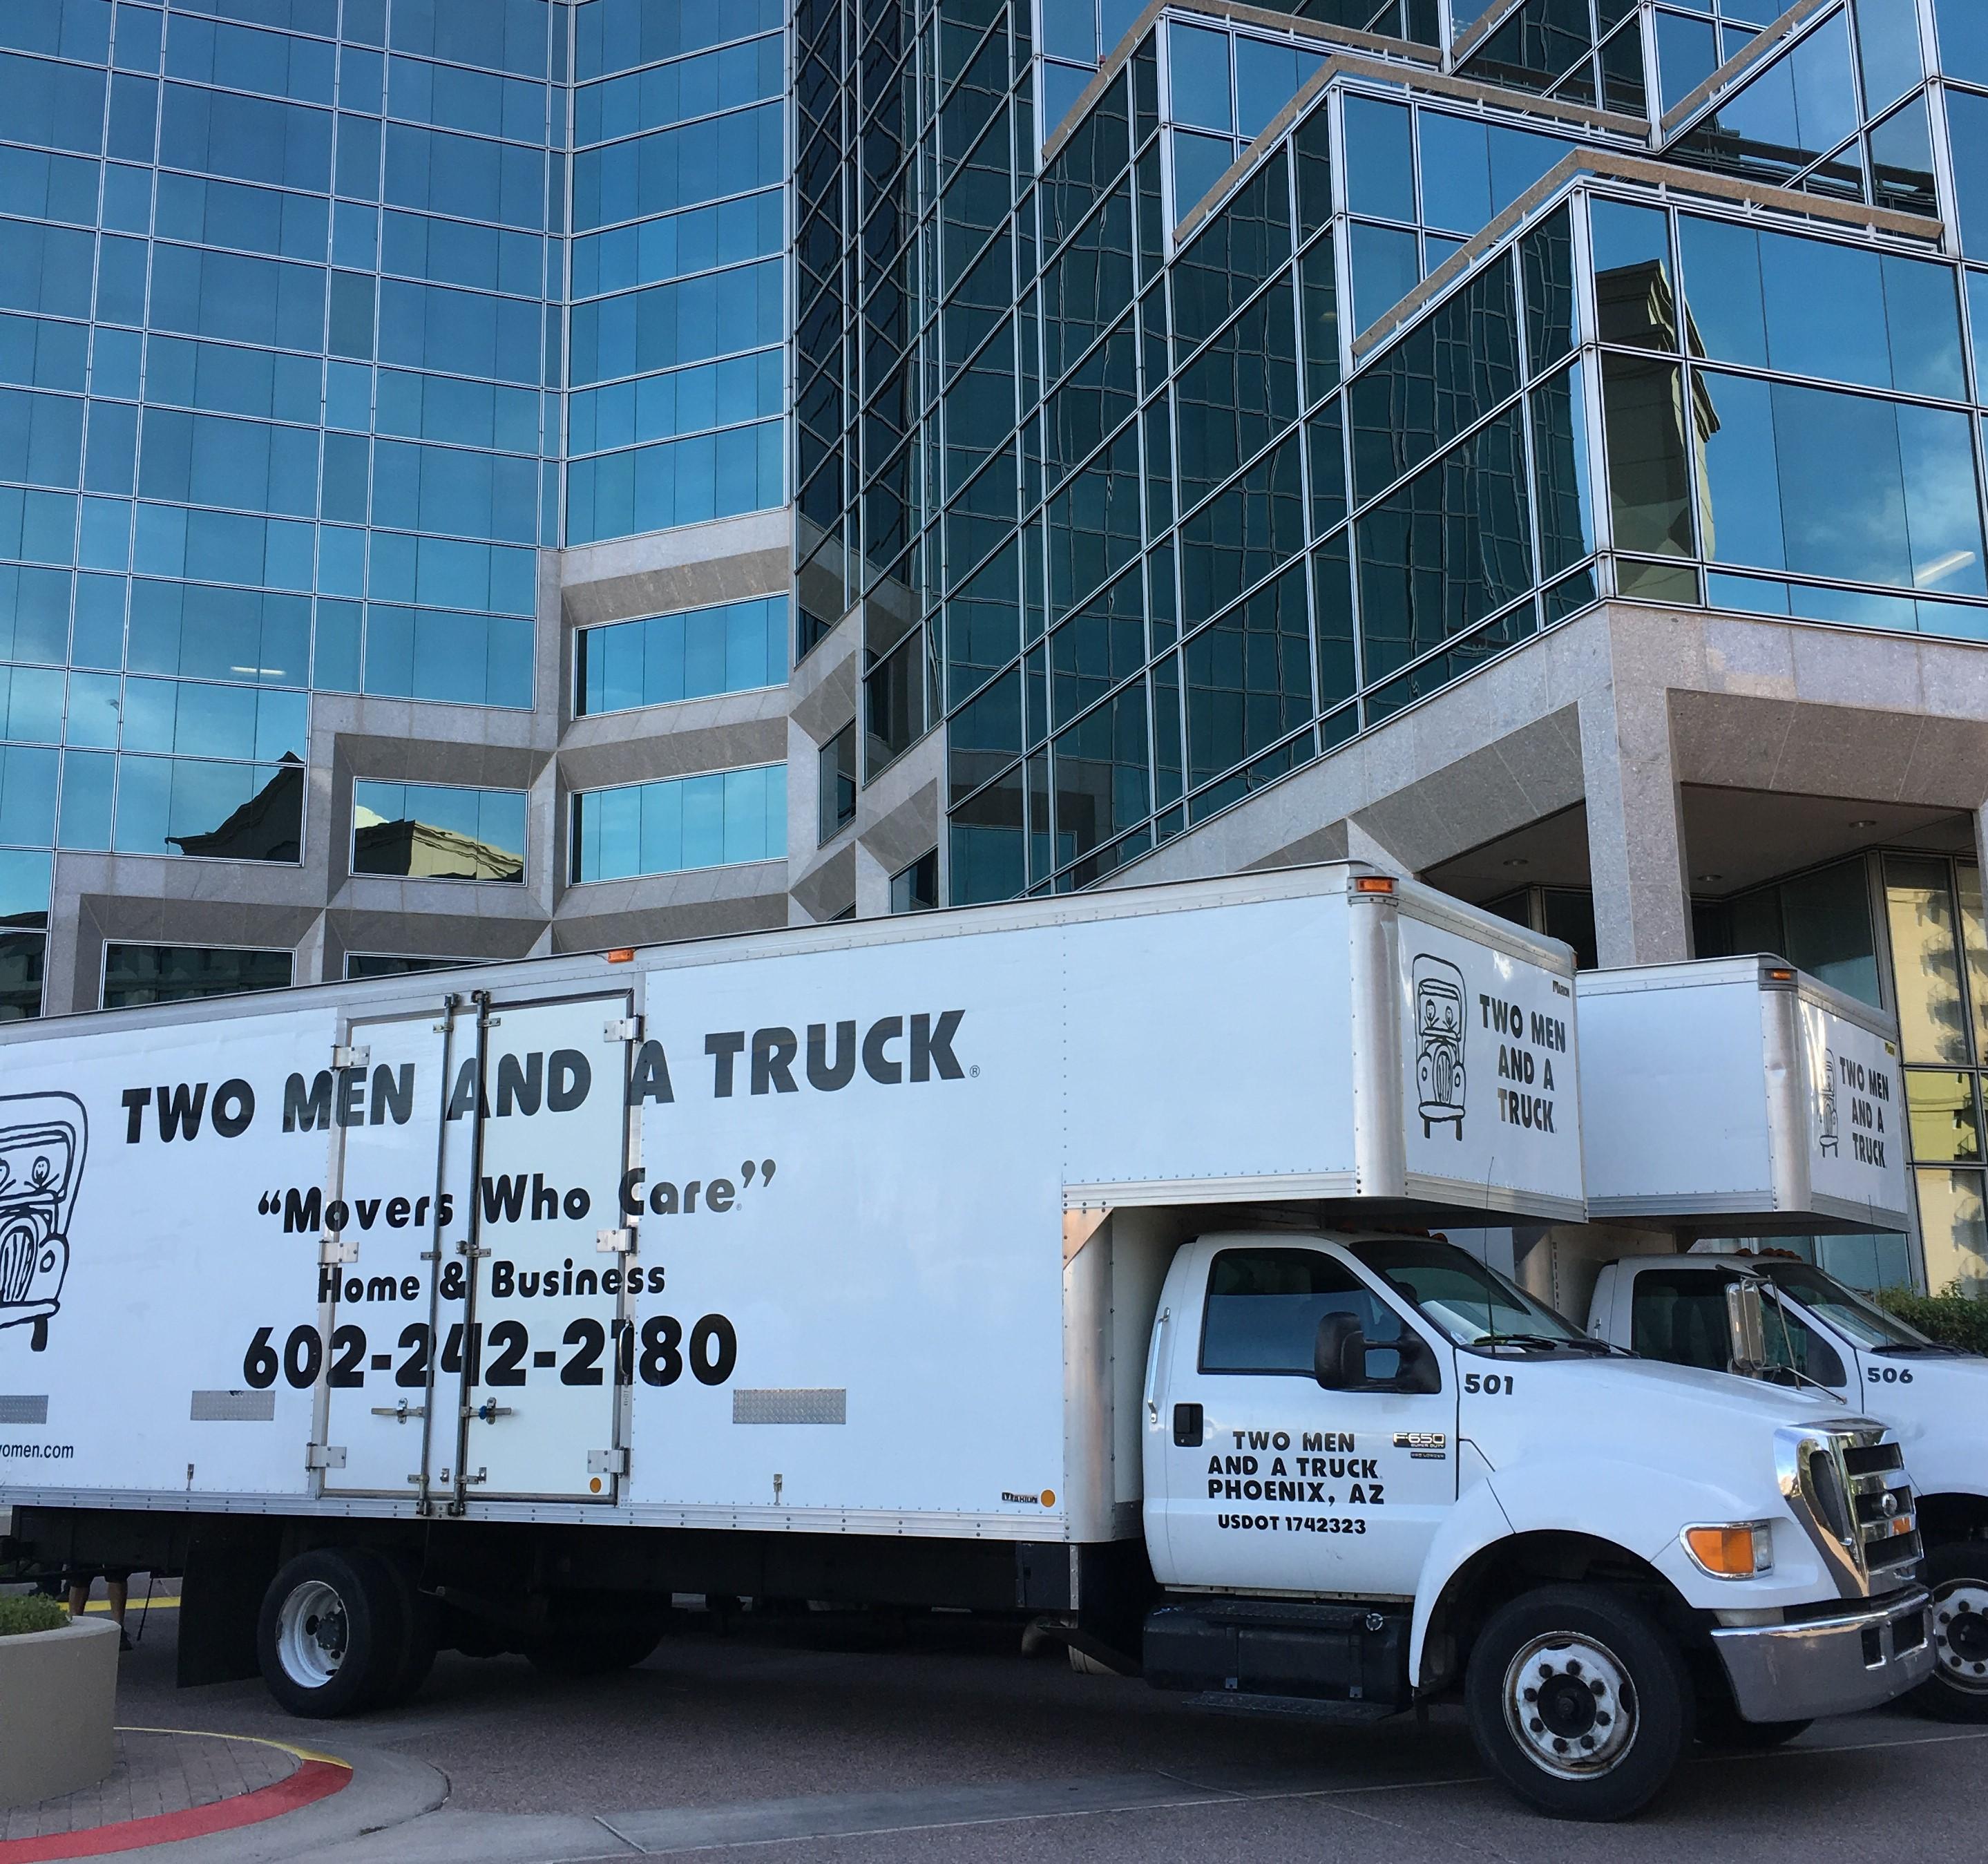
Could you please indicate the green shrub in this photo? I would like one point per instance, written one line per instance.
(1951, 1318)
(22, 1613)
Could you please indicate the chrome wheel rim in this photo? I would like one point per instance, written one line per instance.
(1960, 1634)
(1570, 1706)
(311, 1634)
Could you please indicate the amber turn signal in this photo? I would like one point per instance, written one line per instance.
(1736, 1552)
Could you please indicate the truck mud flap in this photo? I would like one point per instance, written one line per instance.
(1285, 1650)
(229, 1568)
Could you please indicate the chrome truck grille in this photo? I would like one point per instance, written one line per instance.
(1846, 1483)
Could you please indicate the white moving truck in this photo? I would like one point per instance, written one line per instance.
(1740, 1097)
(1028, 1259)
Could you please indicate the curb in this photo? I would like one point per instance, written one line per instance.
(317, 1777)
(386, 1791)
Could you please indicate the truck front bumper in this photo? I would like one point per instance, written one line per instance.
(1858, 1659)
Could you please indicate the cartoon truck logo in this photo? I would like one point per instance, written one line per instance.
(1829, 1140)
(1439, 1080)
(42, 1138)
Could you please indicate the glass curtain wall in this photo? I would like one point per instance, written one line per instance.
(677, 369)
(1940, 964)
(1231, 557)
(1841, 109)
(1819, 465)
(275, 353)
(1905, 932)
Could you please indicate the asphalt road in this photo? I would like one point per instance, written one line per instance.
(820, 1743)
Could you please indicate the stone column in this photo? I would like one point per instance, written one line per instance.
(61, 990)
(1636, 838)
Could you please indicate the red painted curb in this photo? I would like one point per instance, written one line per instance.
(313, 1780)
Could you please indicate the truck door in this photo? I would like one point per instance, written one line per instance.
(547, 1349)
(1678, 1314)
(396, 1193)
(1270, 1482)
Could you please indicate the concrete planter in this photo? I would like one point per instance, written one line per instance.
(58, 1694)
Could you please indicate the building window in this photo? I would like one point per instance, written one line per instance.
(22, 956)
(1940, 968)
(434, 831)
(388, 964)
(690, 655)
(838, 782)
(717, 820)
(135, 974)
(916, 888)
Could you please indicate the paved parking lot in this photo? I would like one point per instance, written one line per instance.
(822, 1743)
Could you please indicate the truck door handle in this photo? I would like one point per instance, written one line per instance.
(489, 1411)
(1187, 1427)
(403, 1411)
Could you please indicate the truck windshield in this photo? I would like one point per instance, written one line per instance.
(1474, 1305)
(1863, 1323)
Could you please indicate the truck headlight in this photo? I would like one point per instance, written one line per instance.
(1739, 1549)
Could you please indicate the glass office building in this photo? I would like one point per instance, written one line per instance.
(482, 476)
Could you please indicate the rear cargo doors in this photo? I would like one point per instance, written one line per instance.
(543, 1377)
(396, 1201)
(472, 1326)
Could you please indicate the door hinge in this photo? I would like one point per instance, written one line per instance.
(624, 1029)
(615, 1242)
(324, 1456)
(344, 1057)
(335, 1249)
(607, 1462)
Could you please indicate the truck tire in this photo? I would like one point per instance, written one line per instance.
(1577, 1702)
(420, 1620)
(1957, 1691)
(330, 1636)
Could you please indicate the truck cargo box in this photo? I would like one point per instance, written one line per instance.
(1740, 1096)
(850, 1229)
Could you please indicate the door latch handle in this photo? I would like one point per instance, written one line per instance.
(489, 1411)
(401, 1412)
(1187, 1427)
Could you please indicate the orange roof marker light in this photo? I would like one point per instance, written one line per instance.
(1373, 883)
(621, 954)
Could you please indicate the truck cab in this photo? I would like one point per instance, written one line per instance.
(1378, 1472)
(1815, 1334)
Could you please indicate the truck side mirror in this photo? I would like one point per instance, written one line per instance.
(1746, 1327)
(1419, 1372)
(1339, 1353)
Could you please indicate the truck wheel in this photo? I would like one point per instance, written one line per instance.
(1578, 1703)
(329, 1636)
(420, 1619)
(1957, 1691)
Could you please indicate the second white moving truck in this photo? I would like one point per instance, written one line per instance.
(1065, 1257)
(1741, 1098)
